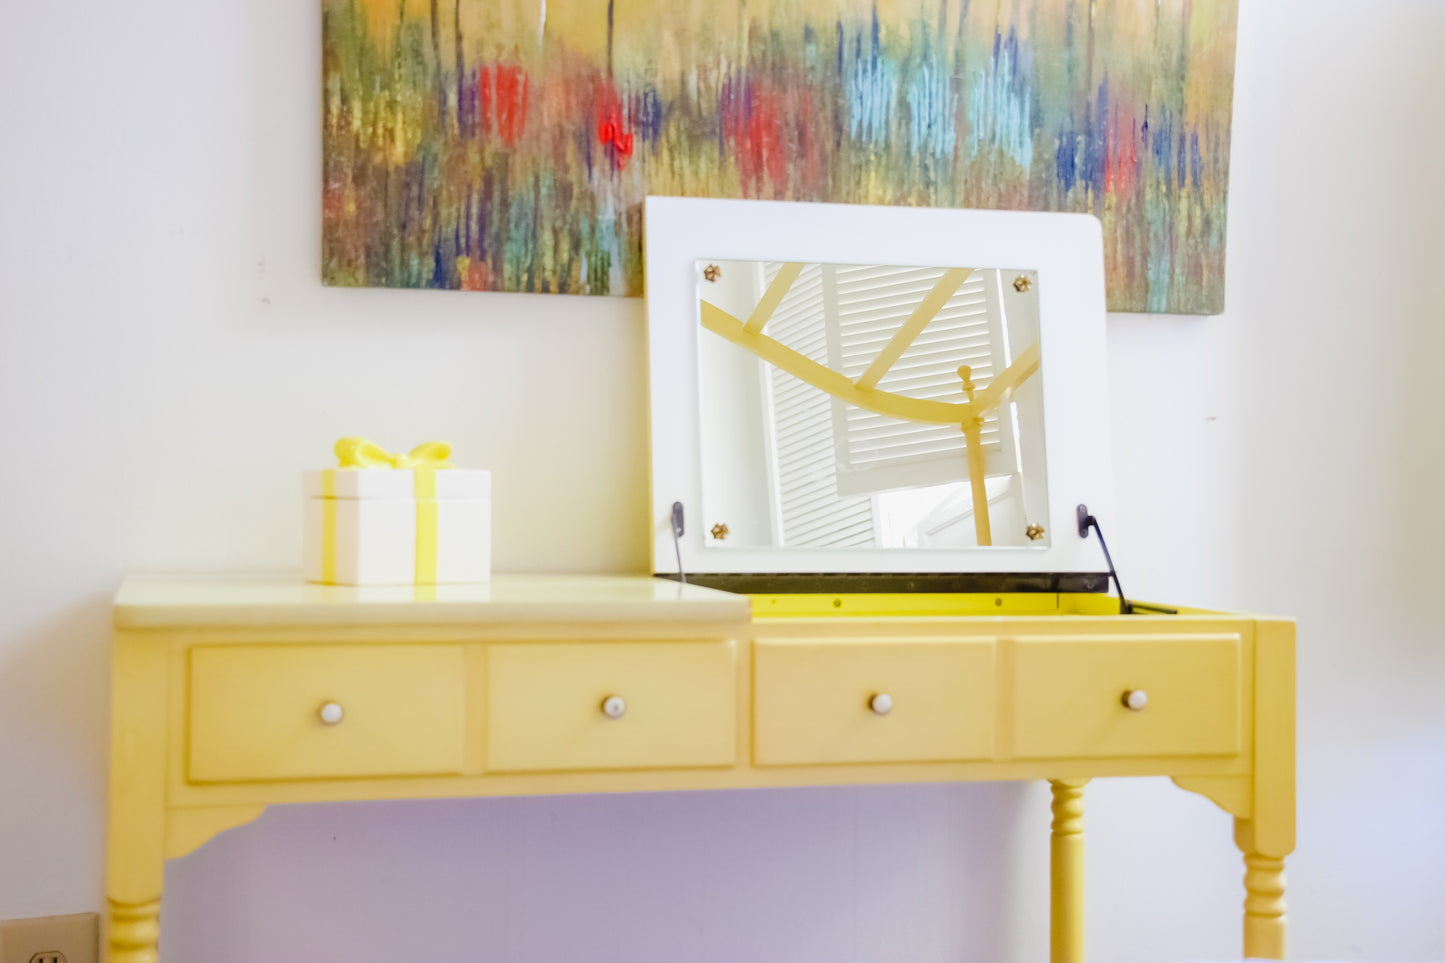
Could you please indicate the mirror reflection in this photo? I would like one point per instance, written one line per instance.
(870, 406)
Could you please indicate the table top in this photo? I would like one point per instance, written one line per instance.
(167, 601)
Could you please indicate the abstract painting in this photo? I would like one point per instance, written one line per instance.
(507, 145)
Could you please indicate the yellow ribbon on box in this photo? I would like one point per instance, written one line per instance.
(425, 460)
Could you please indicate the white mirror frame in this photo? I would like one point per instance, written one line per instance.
(1067, 251)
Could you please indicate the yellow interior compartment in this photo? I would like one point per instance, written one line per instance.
(935, 605)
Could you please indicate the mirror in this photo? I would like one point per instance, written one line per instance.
(870, 406)
(782, 420)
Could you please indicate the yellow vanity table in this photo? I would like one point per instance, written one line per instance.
(234, 693)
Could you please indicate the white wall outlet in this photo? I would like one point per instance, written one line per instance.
(51, 939)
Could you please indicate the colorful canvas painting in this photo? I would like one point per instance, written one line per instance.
(508, 144)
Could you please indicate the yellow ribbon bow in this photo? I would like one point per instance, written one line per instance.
(358, 452)
(425, 459)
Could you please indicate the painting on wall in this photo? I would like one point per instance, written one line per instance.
(507, 145)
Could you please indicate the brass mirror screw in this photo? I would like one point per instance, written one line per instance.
(720, 531)
(1022, 283)
(1034, 532)
(711, 273)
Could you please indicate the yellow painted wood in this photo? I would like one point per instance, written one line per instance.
(474, 747)
(188, 829)
(948, 283)
(280, 601)
(1002, 386)
(973, 443)
(544, 706)
(741, 775)
(706, 704)
(773, 296)
(718, 321)
(1264, 910)
(1233, 794)
(135, 845)
(1068, 693)
(255, 711)
(1004, 709)
(1268, 836)
(1066, 872)
(1272, 825)
(850, 607)
(133, 931)
(811, 700)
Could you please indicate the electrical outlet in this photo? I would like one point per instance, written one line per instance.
(51, 939)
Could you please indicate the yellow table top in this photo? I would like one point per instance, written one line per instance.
(165, 601)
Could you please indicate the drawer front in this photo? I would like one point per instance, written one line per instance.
(1069, 696)
(545, 705)
(256, 711)
(813, 701)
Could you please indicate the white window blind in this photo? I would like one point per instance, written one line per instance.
(808, 510)
(830, 457)
(878, 453)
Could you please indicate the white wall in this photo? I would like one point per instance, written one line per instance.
(169, 363)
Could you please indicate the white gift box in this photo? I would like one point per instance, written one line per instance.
(398, 526)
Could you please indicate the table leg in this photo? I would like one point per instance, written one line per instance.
(135, 932)
(135, 849)
(1268, 835)
(1066, 872)
(1264, 916)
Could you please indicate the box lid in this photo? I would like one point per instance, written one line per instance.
(855, 390)
(395, 483)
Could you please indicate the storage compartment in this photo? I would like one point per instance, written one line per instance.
(611, 705)
(1072, 693)
(872, 700)
(390, 526)
(314, 711)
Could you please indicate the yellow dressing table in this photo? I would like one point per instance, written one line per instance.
(848, 402)
(233, 693)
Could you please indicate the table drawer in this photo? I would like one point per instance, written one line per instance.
(255, 711)
(545, 705)
(1068, 698)
(813, 700)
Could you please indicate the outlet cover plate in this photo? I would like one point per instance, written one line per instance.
(76, 936)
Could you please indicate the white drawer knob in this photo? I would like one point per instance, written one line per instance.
(881, 704)
(331, 713)
(614, 707)
(1136, 699)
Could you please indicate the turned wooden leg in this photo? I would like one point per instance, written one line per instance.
(1066, 872)
(1264, 919)
(135, 849)
(135, 931)
(1267, 836)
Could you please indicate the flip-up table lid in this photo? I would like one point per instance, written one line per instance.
(854, 390)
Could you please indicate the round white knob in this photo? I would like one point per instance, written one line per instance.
(613, 707)
(881, 704)
(331, 713)
(1136, 699)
